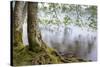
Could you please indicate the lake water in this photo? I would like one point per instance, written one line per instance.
(68, 39)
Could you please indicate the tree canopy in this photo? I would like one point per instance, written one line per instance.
(80, 15)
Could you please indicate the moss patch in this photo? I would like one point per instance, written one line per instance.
(23, 56)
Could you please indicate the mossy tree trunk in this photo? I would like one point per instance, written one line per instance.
(34, 35)
(17, 21)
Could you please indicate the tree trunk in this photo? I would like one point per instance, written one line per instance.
(34, 35)
(31, 24)
(17, 22)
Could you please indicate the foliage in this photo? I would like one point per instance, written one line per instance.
(57, 13)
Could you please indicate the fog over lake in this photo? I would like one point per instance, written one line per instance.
(70, 39)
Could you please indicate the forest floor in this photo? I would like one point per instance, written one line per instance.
(23, 56)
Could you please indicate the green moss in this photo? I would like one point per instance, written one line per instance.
(23, 56)
(17, 38)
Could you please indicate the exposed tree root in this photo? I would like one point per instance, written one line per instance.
(23, 56)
